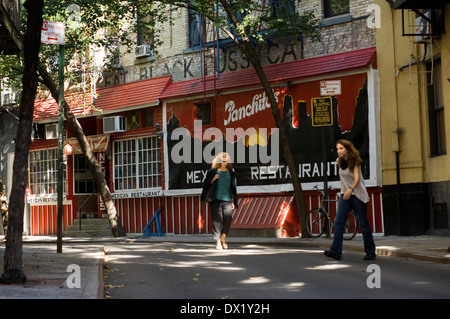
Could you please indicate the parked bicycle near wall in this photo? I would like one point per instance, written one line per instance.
(318, 220)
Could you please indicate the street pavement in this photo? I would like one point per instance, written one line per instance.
(77, 272)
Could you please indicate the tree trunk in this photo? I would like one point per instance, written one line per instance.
(284, 137)
(247, 49)
(114, 222)
(13, 272)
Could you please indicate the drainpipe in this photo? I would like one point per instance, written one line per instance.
(396, 135)
(396, 147)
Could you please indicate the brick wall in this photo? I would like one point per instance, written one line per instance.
(344, 33)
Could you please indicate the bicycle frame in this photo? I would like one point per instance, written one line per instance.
(324, 209)
(351, 226)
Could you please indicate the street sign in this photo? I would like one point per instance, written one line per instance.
(322, 111)
(330, 88)
(52, 32)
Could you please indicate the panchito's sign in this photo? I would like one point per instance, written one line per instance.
(243, 126)
(53, 32)
(98, 143)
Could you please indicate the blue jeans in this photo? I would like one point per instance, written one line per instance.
(360, 208)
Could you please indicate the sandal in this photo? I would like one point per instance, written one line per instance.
(224, 245)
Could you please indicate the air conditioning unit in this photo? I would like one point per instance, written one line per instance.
(141, 51)
(114, 124)
(9, 98)
(51, 131)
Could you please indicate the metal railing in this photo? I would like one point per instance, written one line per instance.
(82, 205)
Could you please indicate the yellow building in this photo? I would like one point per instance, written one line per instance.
(413, 55)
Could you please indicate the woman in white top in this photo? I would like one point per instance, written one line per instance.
(354, 196)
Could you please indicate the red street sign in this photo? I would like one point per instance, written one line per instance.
(52, 32)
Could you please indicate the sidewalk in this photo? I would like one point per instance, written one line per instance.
(47, 272)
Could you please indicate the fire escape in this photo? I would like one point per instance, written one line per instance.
(10, 42)
(423, 22)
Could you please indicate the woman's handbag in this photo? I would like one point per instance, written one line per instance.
(209, 194)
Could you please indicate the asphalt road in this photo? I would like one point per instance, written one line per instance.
(198, 271)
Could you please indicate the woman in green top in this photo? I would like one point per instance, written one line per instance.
(221, 180)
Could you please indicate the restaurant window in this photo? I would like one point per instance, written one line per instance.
(334, 8)
(137, 163)
(83, 179)
(438, 143)
(43, 171)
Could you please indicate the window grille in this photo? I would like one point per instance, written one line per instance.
(43, 172)
(137, 163)
(83, 179)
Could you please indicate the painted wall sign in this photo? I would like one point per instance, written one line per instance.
(242, 123)
(138, 194)
(98, 143)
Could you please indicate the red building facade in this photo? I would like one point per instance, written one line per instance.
(154, 151)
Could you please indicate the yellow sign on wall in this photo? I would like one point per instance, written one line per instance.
(322, 111)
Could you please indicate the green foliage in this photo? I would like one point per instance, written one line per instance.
(96, 29)
(94, 32)
(257, 19)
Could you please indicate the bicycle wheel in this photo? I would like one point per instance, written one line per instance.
(351, 226)
(315, 222)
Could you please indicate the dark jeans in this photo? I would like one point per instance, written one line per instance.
(221, 213)
(360, 208)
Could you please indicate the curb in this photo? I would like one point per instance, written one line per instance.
(325, 243)
(411, 255)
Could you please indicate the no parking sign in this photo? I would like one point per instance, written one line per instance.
(52, 32)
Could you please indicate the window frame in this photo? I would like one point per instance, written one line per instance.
(436, 111)
(86, 178)
(129, 164)
(43, 173)
(327, 12)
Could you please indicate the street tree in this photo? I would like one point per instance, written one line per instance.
(13, 271)
(33, 66)
(98, 25)
(94, 32)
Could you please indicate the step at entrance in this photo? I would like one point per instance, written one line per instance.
(90, 227)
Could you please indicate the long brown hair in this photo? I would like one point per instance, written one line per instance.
(353, 157)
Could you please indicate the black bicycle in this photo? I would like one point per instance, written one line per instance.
(318, 219)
